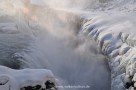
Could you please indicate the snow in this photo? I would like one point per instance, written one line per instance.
(115, 36)
(110, 23)
(17, 79)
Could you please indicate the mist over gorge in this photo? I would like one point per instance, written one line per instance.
(67, 45)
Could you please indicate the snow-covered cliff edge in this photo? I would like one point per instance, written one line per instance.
(115, 36)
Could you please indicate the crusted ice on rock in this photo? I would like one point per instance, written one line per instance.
(26, 79)
(118, 44)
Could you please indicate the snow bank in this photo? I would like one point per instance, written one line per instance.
(115, 36)
(26, 79)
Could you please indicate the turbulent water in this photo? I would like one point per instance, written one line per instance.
(55, 44)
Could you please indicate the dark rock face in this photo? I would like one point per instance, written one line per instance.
(129, 84)
(32, 88)
(49, 86)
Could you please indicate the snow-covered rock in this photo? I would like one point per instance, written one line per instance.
(26, 79)
(115, 36)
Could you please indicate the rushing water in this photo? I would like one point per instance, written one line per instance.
(56, 45)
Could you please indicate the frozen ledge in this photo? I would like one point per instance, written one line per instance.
(26, 79)
(116, 39)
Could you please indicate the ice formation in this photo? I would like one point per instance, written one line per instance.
(26, 79)
(111, 24)
(116, 40)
